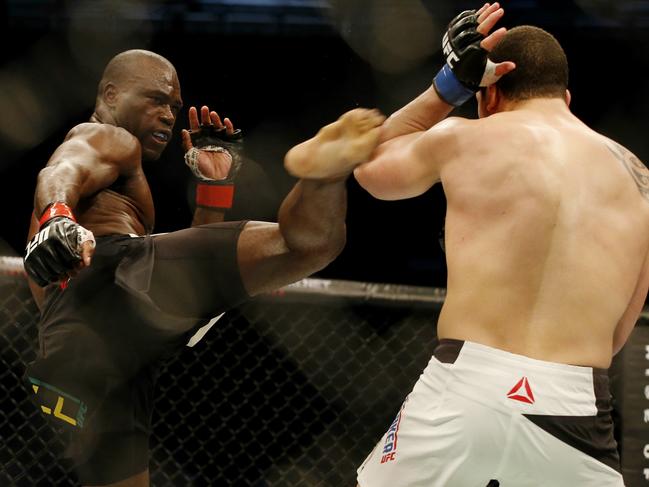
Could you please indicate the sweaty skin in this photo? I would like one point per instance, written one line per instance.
(114, 197)
(547, 238)
(546, 228)
(97, 171)
(546, 248)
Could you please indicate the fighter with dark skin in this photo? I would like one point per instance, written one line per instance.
(96, 178)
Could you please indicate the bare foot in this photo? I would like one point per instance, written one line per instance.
(338, 147)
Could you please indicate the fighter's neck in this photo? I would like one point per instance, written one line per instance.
(102, 116)
(536, 104)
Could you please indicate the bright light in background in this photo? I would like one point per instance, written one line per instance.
(53, 81)
(604, 10)
(100, 29)
(37, 90)
(391, 36)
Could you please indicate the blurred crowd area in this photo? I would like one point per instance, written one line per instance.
(280, 69)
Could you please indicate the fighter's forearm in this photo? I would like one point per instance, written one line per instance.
(419, 115)
(312, 217)
(203, 216)
(57, 183)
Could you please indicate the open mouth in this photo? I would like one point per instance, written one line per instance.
(161, 137)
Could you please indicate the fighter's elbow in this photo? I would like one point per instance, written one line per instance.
(368, 182)
(381, 191)
(380, 184)
(336, 244)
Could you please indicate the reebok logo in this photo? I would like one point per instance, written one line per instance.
(522, 392)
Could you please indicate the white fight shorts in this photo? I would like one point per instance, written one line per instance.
(479, 414)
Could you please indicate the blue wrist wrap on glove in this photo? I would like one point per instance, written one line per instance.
(449, 88)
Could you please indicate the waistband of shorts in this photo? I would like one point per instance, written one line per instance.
(448, 350)
(114, 236)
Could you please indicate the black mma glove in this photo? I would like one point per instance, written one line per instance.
(467, 66)
(215, 193)
(56, 248)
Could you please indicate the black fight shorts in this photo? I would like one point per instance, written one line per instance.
(102, 338)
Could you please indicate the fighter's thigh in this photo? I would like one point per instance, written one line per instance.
(435, 437)
(120, 460)
(117, 451)
(195, 271)
(568, 450)
(403, 450)
(420, 445)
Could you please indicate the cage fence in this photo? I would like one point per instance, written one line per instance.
(291, 389)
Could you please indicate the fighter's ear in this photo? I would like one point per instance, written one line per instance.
(492, 98)
(109, 94)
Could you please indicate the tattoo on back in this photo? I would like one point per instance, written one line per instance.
(636, 168)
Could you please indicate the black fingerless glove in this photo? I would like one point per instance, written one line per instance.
(215, 193)
(467, 66)
(55, 249)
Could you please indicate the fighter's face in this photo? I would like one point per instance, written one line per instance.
(148, 106)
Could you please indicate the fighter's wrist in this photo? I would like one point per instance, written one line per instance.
(56, 209)
(215, 195)
(450, 89)
(191, 160)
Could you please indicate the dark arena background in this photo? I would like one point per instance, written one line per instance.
(294, 388)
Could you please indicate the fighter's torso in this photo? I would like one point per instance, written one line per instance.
(126, 205)
(546, 235)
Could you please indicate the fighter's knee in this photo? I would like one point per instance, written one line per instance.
(328, 247)
(337, 244)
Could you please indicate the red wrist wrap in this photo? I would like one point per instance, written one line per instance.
(56, 209)
(214, 195)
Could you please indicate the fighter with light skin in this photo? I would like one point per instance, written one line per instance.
(547, 250)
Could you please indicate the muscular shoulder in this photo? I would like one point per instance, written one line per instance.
(634, 166)
(623, 154)
(470, 137)
(458, 129)
(110, 143)
(454, 137)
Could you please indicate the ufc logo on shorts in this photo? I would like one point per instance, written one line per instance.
(390, 444)
(451, 57)
(38, 239)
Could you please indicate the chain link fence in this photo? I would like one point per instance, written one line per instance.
(291, 389)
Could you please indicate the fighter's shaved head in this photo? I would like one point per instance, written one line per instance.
(128, 66)
(140, 92)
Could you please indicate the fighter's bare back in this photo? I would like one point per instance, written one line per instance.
(533, 223)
